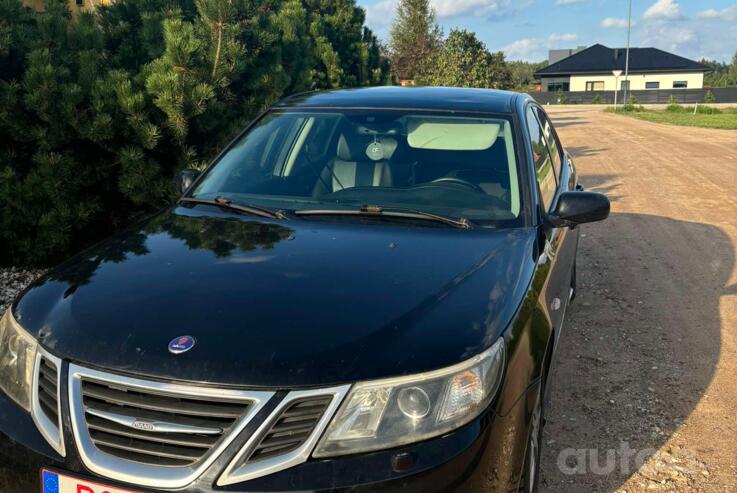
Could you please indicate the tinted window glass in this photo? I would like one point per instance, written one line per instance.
(543, 163)
(552, 138)
(444, 164)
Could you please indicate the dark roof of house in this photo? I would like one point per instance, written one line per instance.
(601, 59)
(419, 98)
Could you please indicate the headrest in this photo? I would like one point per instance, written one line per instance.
(351, 147)
(343, 152)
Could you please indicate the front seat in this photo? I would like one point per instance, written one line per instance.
(360, 161)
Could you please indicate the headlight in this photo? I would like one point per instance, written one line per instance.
(17, 357)
(388, 413)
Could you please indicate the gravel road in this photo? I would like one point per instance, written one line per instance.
(644, 396)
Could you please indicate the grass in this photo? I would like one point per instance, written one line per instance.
(675, 114)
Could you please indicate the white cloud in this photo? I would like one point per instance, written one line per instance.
(708, 14)
(562, 38)
(615, 22)
(475, 8)
(568, 2)
(379, 15)
(678, 39)
(663, 9)
(536, 49)
(692, 37)
(521, 49)
(729, 13)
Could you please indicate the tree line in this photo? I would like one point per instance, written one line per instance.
(421, 55)
(722, 74)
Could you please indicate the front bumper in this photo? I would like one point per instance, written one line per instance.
(485, 455)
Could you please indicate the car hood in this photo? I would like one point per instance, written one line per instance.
(281, 303)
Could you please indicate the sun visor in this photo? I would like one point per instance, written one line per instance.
(450, 134)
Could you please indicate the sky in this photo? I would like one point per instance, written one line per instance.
(527, 29)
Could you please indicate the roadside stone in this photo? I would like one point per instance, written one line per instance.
(12, 282)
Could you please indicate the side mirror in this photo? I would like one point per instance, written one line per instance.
(186, 178)
(579, 207)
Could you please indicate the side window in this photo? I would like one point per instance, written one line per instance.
(311, 145)
(542, 161)
(552, 139)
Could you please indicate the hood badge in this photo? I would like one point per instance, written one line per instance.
(181, 344)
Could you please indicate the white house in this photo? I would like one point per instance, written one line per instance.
(649, 68)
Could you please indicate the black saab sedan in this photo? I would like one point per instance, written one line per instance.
(363, 292)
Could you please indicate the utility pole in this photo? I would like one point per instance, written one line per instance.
(627, 55)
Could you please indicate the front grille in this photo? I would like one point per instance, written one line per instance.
(293, 427)
(48, 399)
(287, 437)
(153, 434)
(165, 435)
(154, 427)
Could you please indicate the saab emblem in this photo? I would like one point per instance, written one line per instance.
(181, 344)
(143, 425)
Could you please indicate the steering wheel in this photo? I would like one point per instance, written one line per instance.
(459, 181)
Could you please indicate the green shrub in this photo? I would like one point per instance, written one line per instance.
(673, 105)
(560, 97)
(707, 110)
(709, 97)
(596, 100)
(632, 105)
(99, 110)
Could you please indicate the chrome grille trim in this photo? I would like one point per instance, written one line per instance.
(241, 469)
(153, 426)
(139, 473)
(293, 426)
(48, 424)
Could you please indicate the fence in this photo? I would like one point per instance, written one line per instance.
(650, 96)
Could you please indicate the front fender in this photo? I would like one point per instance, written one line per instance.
(528, 341)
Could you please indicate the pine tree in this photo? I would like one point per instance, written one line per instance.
(415, 36)
(346, 53)
(98, 111)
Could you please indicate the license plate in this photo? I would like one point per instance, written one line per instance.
(53, 482)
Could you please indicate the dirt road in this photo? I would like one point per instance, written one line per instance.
(645, 392)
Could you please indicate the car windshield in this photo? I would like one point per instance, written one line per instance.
(455, 166)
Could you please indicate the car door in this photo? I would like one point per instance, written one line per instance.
(554, 174)
(567, 238)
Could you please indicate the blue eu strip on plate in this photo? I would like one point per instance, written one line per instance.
(50, 482)
(54, 482)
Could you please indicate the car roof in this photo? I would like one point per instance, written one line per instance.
(418, 98)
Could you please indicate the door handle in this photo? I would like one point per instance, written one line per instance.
(549, 250)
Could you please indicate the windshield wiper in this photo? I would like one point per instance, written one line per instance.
(375, 210)
(230, 205)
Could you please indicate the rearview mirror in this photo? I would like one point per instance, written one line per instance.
(186, 178)
(579, 207)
